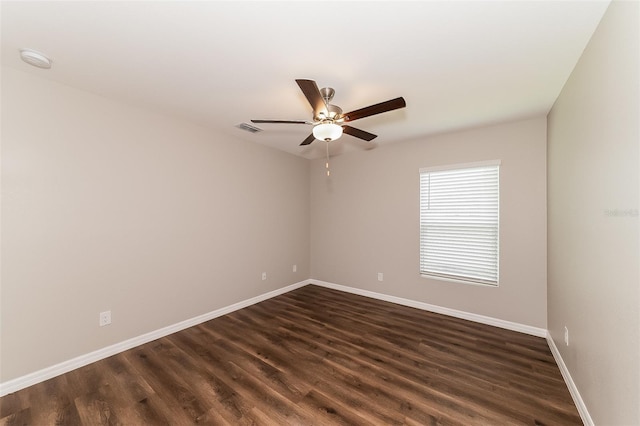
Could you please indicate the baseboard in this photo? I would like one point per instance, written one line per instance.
(573, 390)
(72, 364)
(522, 328)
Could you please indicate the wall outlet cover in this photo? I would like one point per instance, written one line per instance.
(105, 318)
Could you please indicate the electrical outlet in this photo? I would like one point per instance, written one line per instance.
(105, 318)
(264, 276)
(295, 268)
(566, 335)
(380, 276)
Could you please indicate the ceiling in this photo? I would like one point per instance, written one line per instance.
(458, 64)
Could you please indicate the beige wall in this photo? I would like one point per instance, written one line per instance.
(106, 206)
(593, 250)
(365, 220)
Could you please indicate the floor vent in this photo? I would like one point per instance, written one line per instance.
(248, 127)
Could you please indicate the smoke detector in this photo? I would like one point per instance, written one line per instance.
(34, 58)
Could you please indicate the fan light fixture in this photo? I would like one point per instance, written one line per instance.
(327, 131)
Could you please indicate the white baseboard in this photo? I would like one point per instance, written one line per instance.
(72, 364)
(80, 361)
(573, 390)
(514, 326)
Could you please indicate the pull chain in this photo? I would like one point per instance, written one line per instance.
(327, 163)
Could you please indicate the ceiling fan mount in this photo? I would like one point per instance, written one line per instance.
(328, 119)
(327, 94)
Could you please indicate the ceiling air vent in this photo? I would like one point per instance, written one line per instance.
(248, 127)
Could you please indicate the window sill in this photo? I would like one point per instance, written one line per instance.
(460, 281)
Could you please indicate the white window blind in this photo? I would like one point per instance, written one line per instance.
(459, 222)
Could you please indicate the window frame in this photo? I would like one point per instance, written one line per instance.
(458, 277)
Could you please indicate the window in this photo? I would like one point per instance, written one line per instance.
(459, 222)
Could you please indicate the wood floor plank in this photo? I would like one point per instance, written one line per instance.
(340, 357)
(363, 355)
(176, 393)
(236, 395)
(17, 418)
(313, 356)
(50, 403)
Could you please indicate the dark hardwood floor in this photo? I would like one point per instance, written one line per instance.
(313, 356)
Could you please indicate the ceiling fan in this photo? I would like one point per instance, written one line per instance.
(328, 120)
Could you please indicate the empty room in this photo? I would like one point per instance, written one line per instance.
(320, 213)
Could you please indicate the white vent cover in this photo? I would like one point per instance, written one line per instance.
(248, 127)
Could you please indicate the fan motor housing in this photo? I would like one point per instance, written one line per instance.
(335, 112)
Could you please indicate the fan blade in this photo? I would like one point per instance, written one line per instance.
(375, 109)
(308, 140)
(360, 134)
(281, 121)
(312, 93)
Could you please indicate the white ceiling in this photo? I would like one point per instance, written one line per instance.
(457, 64)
